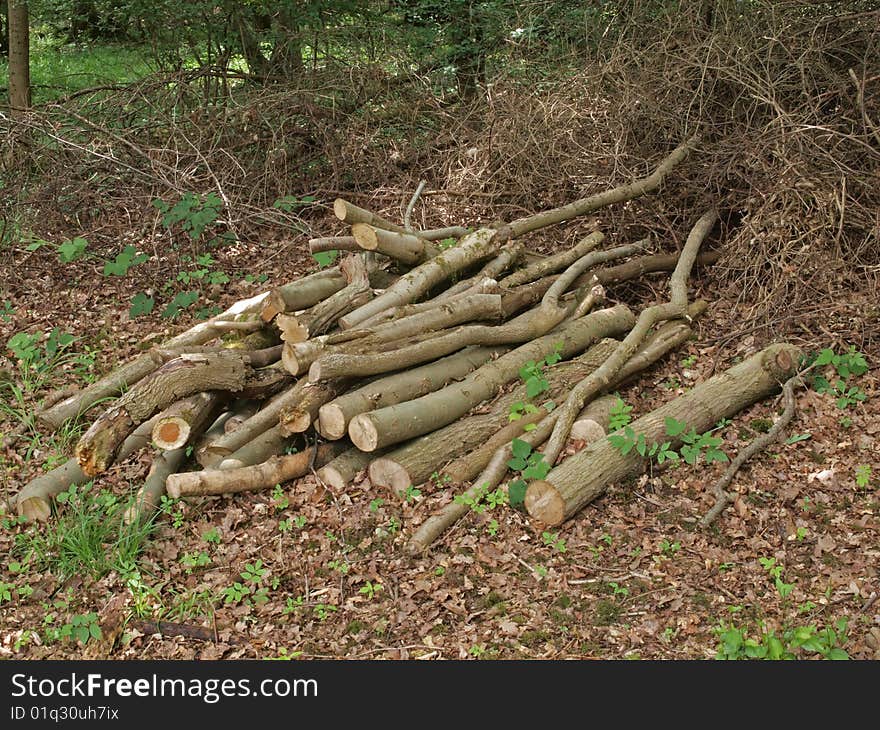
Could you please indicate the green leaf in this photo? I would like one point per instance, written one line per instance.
(521, 449)
(516, 492)
(825, 357)
(325, 258)
(517, 464)
(180, 302)
(674, 427)
(72, 249)
(795, 437)
(837, 654)
(141, 304)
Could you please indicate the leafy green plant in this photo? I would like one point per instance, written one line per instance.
(125, 260)
(279, 498)
(81, 628)
(325, 258)
(533, 373)
(212, 536)
(370, 589)
(181, 301)
(72, 249)
(235, 593)
(669, 548)
(411, 494)
(553, 540)
(254, 572)
(619, 414)
(6, 591)
(193, 560)
(323, 610)
(141, 304)
(845, 365)
(863, 476)
(192, 213)
(6, 310)
(530, 464)
(735, 642)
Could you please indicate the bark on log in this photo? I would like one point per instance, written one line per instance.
(635, 189)
(130, 373)
(302, 293)
(493, 462)
(34, 501)
(333, 243)
(351, 213)
(150, 494)
(506, 258)
(592, 422)
(340, 472)
(177, 379)
(415, 461)
(404, 247)
(411, 286)
(298, 418)
(554, 263)
(270, 442)
(585, 476)
(176, 423)
(335, 416)
(675, 308)
(641, 266)
(391, 425)
(265, 475)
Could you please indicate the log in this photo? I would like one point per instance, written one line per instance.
(622, 193)
(34, 501)
(298, 418)
(675, 308)
(130, 373)
(414, 461)
(583, 477)
(506, 258)
(643, 265)
(494, 462)
(149, 496)
(302, 293)
(592, 422)
(176, 423)
(416, 283)
(183, 376)
(265, 475)
(217, 429)
(387, 426)
(333, 243)
(557, 262)
(351, 213)
(404, 247)
(270, 442)
(340, 472)
(335, 416)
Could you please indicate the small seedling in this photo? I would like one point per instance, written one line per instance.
(619, 415)
(370, 589)
(323, 610)
(279, 498)
(376, 503)
(863, 476)
(553, 540)
(212, 536)
(254, 572)
(411, 494)
(669, 549)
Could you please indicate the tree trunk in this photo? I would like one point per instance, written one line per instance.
(585, 476)
(340, 472)
(176, 423)
(34, 501)
(415, 284)
(270, 442)
(391, 425)
(415, 461)
(298, 418)
(335, 416)
(19, 58)
(404, 247)
(264, 475)
(183, 376)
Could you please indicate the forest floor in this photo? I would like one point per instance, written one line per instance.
(302, 572)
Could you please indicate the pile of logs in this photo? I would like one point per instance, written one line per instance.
(404, 360)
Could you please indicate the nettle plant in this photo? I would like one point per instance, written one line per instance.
(844, 366)
(693, 444)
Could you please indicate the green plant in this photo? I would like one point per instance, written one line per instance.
(795, 437)
(174, 509)
(411, 494)
(254, 572)
(323, 610)
(212, 536)
(193, 560)
(192, 213)
(279, 498)
(141, 304)
(735, 643)
(776, 571)
(533, 373)
(618, 590)
(125, 260)
(6, 591)
(845, 365)
(863, 476)
(553, 540)
(669, 549)
(689, 361)
(235, 593)
(181, 301)
(325, 258)
(619, 414)
(376, 503)
(339, 566)
(6, 310)
(81, 628)
(292, 605)
(531, 465)
(370, 589)
(89, 537)
(72, 249)
(477, 650)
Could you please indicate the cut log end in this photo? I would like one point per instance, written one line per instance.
(365, 236)
(390, 475)
(35, 509)
(179, 484)
(363, 433)
(171, 433)
(339, 208)
(232, 464)
(331, 421)
(314, 372)
(296, 421)
(586, 430)
(332, 477)
(544, 503)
